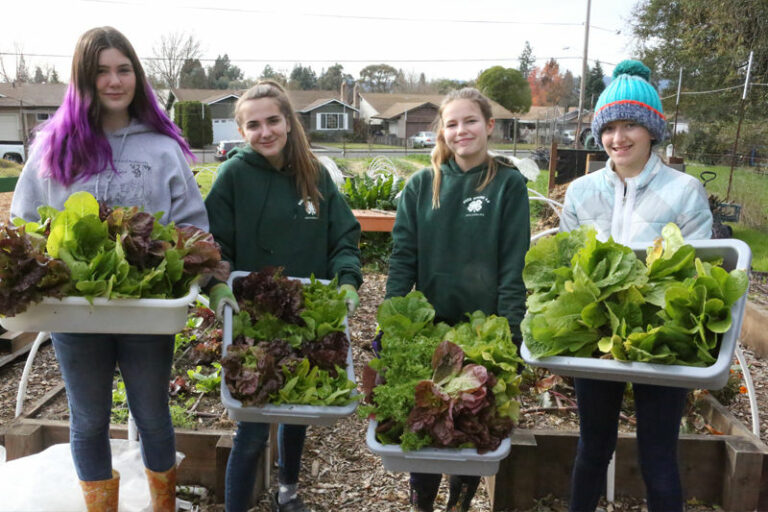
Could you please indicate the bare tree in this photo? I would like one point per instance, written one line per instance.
(170, 54)
(21, 70)
(3, 73)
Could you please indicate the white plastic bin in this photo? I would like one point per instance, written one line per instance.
(287, 414)
(121, 316)
(448, 461)
(736, 255)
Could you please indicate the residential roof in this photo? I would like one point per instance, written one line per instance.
(396, 110)
(550, 112)
(324, 101)
(205, 95)
(32, 95)
(301, 100)
(384, 103)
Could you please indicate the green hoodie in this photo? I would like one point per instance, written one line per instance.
(258, 219)
(469, 253)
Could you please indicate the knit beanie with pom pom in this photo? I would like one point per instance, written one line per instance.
(630, 97)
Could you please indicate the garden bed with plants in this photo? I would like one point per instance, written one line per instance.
(338, 466)
(339, 472)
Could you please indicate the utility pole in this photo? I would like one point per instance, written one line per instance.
(583, 87)
(677, 104)
(738, 127)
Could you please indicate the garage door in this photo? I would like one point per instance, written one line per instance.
(9, 127)
(224, 129)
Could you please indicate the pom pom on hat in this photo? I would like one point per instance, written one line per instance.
(634, 68)
(630, 97)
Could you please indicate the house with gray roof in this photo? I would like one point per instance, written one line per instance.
(321, 112)
(24, 106)
(399, 116)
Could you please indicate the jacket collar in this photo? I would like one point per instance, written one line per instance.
(652, 167)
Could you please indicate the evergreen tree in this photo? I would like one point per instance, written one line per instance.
(223, 73)
(507, 87)
(303, 78)
(270, 74)
(527, 60)
(40, 77)
(192, 75)
(332, 78)
(594, 86)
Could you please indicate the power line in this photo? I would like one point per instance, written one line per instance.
(357, 17)
(315, 61)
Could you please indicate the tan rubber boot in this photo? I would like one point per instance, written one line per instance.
(101, 495)
(162, 490)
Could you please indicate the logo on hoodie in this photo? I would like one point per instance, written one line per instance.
(309, 207)
(474, 205)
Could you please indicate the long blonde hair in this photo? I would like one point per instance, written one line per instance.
(297, 154)
(442, 153)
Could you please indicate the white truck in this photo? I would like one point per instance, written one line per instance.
(13, 151)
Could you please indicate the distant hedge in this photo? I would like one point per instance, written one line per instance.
(195, 122)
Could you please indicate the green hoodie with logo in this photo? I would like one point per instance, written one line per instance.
(258, 218)
(469, 253)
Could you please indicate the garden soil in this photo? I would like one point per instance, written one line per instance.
(339, 473)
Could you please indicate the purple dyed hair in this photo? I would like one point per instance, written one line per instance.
(72, 142)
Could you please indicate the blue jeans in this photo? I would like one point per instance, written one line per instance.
(247, 446)
(659, 410)
(87, 363)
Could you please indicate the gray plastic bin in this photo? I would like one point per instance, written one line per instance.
(288, 414)
(448, 461)
(736, 255)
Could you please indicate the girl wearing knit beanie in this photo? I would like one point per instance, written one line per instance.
(631, 199)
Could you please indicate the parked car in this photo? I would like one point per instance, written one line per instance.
(423, 140)
(568, 136)
(13, 151)
(223, 148)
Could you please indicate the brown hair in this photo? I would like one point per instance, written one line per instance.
(442, 153)
(298, 156)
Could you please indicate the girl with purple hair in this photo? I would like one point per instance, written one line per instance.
(110, 138)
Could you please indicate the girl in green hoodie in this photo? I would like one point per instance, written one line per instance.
(273, 204)
(460, 237)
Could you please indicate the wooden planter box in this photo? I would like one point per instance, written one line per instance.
(205, 452)
(730, 470)
(375, 220)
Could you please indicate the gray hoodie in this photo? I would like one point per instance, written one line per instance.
(151, 173)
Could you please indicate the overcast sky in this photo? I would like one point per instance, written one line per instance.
(442, 38)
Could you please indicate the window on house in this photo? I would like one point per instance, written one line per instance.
(331, 121)
(42, 117)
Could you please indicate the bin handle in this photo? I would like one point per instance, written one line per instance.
(292, 413)
(454, 458)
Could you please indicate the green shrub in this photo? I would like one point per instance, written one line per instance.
(195, 122)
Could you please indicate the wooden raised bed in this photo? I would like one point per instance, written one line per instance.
(730, 470)
(205, 452)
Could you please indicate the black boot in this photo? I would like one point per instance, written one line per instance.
(424, 487)
(462, 490)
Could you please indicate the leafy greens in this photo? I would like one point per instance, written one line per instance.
(108, 252)
(439, 385)
(289, 344)
(592, 298)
